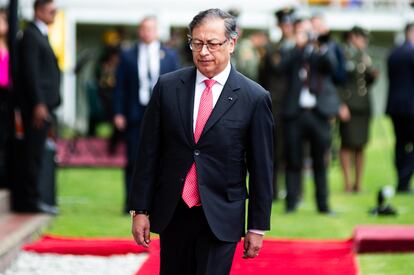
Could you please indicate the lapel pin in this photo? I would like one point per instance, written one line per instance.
(230, 98)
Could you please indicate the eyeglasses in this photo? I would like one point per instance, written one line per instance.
(197, 45)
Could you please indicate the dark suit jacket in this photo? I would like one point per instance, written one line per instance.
(237, 138)
(38, 71)
(126, 94)
(401, 81)
(322, 66)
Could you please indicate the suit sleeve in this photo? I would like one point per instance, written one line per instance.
(147, 162)
(176, 61)
(31, 60)
(259, 157)
(119, 92)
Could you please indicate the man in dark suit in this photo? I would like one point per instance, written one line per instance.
(308, 106)
(400, 107)
(39, 83)
(204, 128)
(137, 74)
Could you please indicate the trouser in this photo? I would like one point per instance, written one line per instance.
(311, 127)
(278, 154)
(6, 135)
(26, 194)
(189, 247)
(132, 140)
(404, 150)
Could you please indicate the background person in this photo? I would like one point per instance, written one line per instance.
(249, 54)
(6, 117)
(276, 83)
(400, 107)
(204, 128)
(310, 103)
(137, 73)
(355, 111)
(39, 80)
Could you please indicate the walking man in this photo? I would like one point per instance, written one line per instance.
(204, 128)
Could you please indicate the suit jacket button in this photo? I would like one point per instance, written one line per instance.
(196, 152)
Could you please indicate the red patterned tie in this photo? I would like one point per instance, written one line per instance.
(190, 194)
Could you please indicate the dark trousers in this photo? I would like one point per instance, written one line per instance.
(6, 135)
(278, 154)
(26, 194)
(132, 140)
(315, 129)
(404, 150)
(188, 246)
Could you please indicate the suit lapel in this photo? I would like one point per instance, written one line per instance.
(227, 98)
(135, 54)
(44, 39)
(185, 98)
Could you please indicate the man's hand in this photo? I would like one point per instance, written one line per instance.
(120, 122)
(252, 244)
(141, 230)
(40, 115)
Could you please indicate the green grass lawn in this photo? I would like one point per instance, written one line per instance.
(91, 205)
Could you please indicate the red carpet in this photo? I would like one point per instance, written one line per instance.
(84, 246)
(90, 152)
(384, 238)
(277, 256)
(286, 257)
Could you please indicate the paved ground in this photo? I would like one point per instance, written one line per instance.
(29, 263)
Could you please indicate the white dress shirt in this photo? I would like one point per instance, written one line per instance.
(42, 27)
(148, 59)
(217, 88)
(220, 79)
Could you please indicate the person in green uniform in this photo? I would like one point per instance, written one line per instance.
(355, 111)
(276, 83)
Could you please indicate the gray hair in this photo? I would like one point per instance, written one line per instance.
(229, 21)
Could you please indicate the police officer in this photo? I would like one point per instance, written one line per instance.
(276, 82)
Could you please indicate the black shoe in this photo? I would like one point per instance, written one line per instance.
(405, 191)
(290, 210)
(328, 212)
(47, 209)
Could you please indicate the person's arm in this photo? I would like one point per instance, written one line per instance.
(260, 165)
(31, 60)
(146, 169)
(30, 57)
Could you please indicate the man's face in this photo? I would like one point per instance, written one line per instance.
(211, 63)
(147, 31)
(46, 13)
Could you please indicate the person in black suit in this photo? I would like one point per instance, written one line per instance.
(39, 83)
(136, 75)
(400, 107)
(190, 175)
(309, 104)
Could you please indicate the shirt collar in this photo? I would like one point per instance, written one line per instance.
(41, 26)
(221, 78)
(153, 45)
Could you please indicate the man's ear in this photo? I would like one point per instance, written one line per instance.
(232, 43)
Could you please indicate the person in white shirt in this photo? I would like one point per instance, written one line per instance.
(138, 70)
